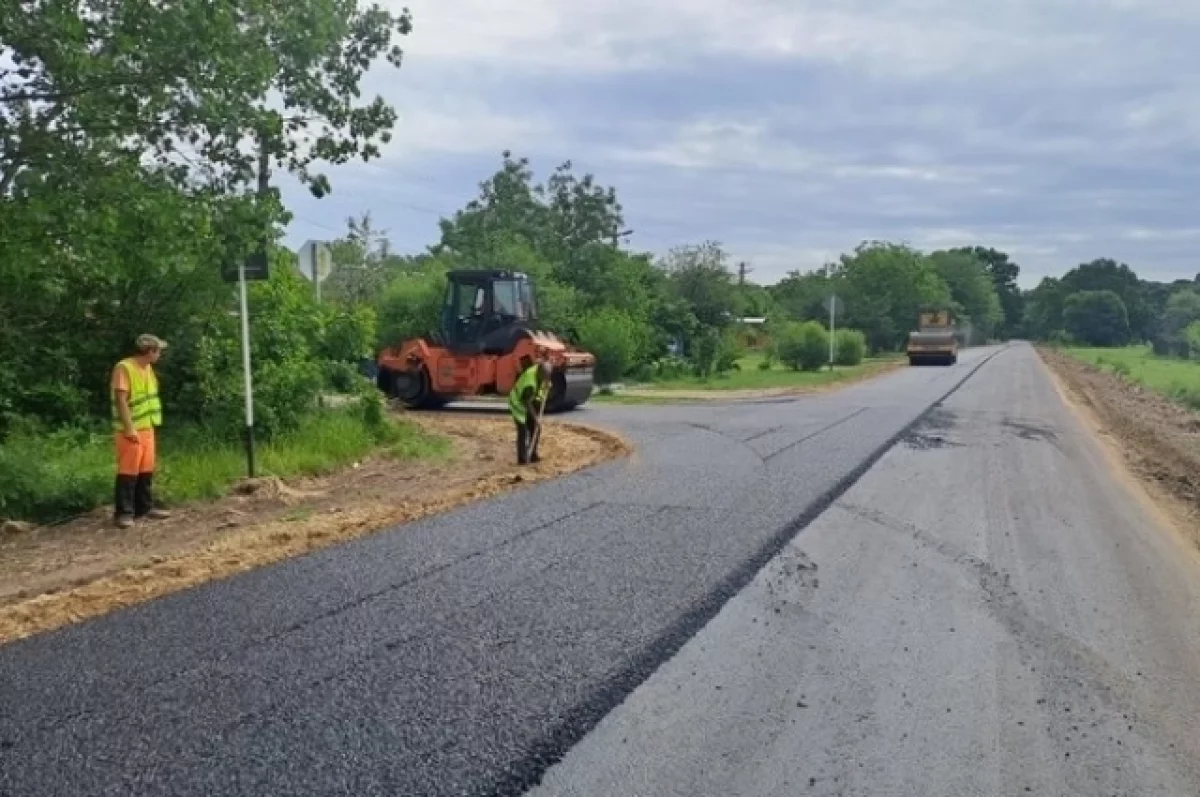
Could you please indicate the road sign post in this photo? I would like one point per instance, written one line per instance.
(248, 378)
(316, 263)
(254, 267)
(833, 304)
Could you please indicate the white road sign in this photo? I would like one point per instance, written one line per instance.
(316, 261)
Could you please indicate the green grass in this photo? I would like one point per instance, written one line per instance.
(752, 377)
(1174, 378)
(55, 476)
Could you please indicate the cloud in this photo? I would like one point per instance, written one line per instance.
(1061, 130)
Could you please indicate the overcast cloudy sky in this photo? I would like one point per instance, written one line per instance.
(790, 130)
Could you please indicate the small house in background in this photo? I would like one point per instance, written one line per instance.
(752, 332)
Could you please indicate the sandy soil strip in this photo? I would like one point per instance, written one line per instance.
(1155, 441)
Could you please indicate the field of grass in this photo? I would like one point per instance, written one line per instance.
(52, 477)
(1177, 379)
(751, 377)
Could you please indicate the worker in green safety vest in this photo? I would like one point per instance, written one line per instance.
(528, 392)
(136, 413)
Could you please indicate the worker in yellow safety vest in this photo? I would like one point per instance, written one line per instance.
(528, 393)
(136, 413)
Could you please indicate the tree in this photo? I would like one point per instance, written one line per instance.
(800, 296)
(362, 264)
(884, 286)
(195, 85)
(972, 290)
(136, 141)
(1096, 318)
(1106, 274)
(1044, 308)
(700, 276)
(1003, 273)
(1182, 309)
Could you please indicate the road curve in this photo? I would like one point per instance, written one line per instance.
(465, 654)
(987, 612)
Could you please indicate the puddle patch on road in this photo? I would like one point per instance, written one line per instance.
(930, 433)
(1030, 431)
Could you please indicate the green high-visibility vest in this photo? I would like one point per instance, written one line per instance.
(527, 379)
(145, 408)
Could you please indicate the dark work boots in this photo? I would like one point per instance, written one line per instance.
(134, 500)
(123, 501)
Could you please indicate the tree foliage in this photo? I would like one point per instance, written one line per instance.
(1003, 273)
(137, 141)
(1096, 318)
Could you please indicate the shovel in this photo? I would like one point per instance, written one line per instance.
(537, 433)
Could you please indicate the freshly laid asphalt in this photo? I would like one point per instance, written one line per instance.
(468, 653)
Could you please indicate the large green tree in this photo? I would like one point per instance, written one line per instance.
(136, 144)
(1096, 318)
(700, 275)
(1004, 273)
(1106, 274)
(972, 290)
(884, 286)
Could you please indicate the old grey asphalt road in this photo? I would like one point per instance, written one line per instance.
(465, 654)
(986, 612)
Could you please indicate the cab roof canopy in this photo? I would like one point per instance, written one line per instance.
(483, 274)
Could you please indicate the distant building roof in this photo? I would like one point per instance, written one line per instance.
(752, 321)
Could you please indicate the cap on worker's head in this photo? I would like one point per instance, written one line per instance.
(150, 343)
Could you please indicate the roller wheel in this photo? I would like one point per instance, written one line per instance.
(413, 389)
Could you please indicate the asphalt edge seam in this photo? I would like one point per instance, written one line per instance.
(577, 722)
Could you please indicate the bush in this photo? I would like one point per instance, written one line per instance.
(803, 347)
(1058, 339)
(348, 335)
(287, 368)
(411, 307)
(704, 352)
(643, 372)
(1192, 335)
(614, 338)
(729, 351)
(850, 347)
(672, 367)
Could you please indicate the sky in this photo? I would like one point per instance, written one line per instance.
(792, 130)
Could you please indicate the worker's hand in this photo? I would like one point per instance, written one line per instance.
(132, 436)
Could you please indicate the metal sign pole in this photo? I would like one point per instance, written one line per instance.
(832, 311)
(832, 322)
(249, 383)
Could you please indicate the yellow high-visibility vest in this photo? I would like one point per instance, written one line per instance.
(527, 379)
(145, 407)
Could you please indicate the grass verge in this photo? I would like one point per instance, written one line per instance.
(52, 477)
(750, 375)
(1178, 380)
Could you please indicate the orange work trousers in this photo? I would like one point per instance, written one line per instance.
(137, 458)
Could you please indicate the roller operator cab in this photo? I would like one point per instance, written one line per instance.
(489, 321)
(935, 340)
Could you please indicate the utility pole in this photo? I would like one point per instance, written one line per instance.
(743, 270)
